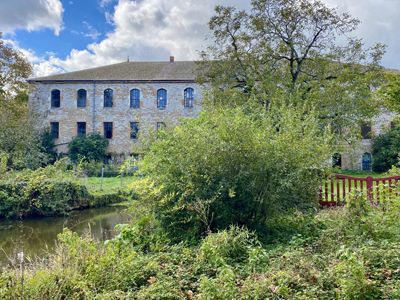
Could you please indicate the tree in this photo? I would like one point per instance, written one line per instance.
(18, 141)
(389, 92)
(229, 167)
(92, 147)
(386, 150)
(14, 69)
(299, 49)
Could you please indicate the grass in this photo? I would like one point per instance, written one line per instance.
(361, 174)
(107, 185)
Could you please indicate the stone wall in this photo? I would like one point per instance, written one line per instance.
(94, 114)
(352, 154)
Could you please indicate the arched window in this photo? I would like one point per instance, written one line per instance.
(108, 98)
(135, 98)
(188, 97)
(366, 161)
(161, 99)
(55, 98)
(337, 160)
(81, 98)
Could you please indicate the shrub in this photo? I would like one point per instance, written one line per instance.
(232, 168)
(47, 191)
(91, 147)
(386, 150)
(347, 261)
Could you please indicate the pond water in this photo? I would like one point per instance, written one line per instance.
(37, 237)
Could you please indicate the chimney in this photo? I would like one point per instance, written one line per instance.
(172, 59)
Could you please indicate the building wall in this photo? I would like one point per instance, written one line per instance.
(352, 154)
(94, 114)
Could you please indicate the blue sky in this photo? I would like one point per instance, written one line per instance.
(83, 22)
(67, 35)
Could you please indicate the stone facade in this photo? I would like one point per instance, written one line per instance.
(352, 155)
(148, 78)
(95, 114)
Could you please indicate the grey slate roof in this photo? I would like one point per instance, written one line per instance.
(130, 71)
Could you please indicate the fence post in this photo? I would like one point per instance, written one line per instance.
(370, 183)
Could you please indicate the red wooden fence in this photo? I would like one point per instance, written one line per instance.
(336, 188)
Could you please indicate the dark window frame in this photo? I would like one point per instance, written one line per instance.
(55, 130)
(134, 130)
(134, 98)
(55, 100)
(108, 96)
(366, 161)
(162, 99)
(161, 125)
(366, 131)
(188, 98)
(81, 131)
(337, 160)
(81, 98)
(108, 130)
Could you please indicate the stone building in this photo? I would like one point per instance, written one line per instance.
(358, 155)
(127, 100)
(122, 101)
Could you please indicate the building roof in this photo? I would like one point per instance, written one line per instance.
(130, 71)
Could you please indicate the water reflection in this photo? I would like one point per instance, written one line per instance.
(36, 237)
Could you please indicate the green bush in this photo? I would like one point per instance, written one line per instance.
(346, 261)
(233, 168)
(47, 192)
(92, 147)
(386, 150)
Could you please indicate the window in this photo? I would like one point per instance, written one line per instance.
(81, 98)
(135, 98)
(81, 128)
(337, 160)
(366, 130)
(161, 99)
(55, 98)
(366, 161)
(134, 130)
(108, 130)
(108, 98)
(188, 97)
(160, 125)
(55, 130)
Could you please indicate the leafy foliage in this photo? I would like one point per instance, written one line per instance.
(14, 69)
(92, 147)
(288, 51)
(351, 254)
(18, 140)
(47, 192)
(231, 168)
(386, 150)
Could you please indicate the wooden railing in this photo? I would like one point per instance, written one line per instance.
(336, 188)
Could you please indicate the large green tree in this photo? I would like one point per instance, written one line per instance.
(230, 166)
(14, 69)
(18, 142)
(299, 49)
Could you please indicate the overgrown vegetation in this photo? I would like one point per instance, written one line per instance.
(229, 167)
(386, 150)
(90, 148)
(49, 191)
(345, 253)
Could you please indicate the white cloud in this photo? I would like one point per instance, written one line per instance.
(156, 29)
(30, 15)
(379, 23)
(145, 30)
